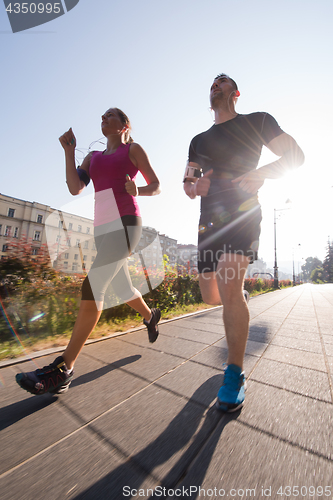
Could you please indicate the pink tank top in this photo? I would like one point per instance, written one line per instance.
(108, 173)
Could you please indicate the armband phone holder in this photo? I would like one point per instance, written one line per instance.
(191, 172)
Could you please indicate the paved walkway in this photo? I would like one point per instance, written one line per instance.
(141, 417)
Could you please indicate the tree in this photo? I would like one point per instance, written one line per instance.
(328, 264)
(22, 265)
(317, 275)
(311, 263)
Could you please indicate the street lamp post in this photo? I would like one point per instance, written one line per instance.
(276, 272)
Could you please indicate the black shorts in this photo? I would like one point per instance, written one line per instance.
(229, 231)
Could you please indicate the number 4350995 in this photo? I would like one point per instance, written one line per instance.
(34, 8)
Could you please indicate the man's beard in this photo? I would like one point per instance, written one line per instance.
(216, 100)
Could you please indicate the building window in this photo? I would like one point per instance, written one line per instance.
(94, 246)
(65, 265)
(68, 242)
(77, 243)
(84, 257)
(61, 224)
(8, 230)
(35, 251)
(88, 230)
(93, 258)
(11, 212)
(16, 232)
(4, 248)
(79, 228)
(66, 256)
(70, 226)
(74, 266)
(58, 238)
(39, 219)
(76, 256)
(37, 236)
(86, 245)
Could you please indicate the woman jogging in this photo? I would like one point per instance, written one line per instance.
(117, 226)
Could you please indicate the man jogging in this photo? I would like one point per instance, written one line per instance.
(222, 169)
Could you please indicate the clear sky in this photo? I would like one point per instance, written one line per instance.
(156, 61)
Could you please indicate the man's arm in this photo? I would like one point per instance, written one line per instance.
(291, 156)
(194, 186)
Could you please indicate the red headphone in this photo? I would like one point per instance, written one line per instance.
(237, 93)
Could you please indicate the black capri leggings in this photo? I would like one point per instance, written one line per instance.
(114, 242)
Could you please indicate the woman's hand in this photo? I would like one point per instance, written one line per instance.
(130, 186)
(68, 140)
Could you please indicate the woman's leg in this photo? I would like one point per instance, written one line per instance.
(87, 319)
(112, 253)
(141, 307)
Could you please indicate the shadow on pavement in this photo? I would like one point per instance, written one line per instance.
(15, 412)
(176, 436)
(259, 333)
(190, 488)
(93, 375)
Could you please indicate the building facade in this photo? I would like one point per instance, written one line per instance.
(187, 258)
(69, 238)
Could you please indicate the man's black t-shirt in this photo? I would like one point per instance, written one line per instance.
(231, 149)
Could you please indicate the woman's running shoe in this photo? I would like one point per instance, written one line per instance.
(152, 325)
(54, 378)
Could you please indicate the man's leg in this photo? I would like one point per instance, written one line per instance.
(230, 274)
(209, 289)
(229, 278)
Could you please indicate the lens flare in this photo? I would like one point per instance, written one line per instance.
(13, 331)
(35, 318)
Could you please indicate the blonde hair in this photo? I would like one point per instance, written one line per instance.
(125, 121)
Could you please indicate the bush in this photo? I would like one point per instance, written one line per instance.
(41, 301)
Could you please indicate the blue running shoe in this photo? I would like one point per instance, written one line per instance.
(54, 378)
(232, 393)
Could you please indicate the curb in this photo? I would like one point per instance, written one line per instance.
(55, 350)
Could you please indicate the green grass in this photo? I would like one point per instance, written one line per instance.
(10, 349)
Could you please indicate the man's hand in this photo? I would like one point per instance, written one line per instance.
(250, 182)
(203, 184)
(130, 186)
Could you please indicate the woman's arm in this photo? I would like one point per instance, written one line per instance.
(75, 184)
(140, 159)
